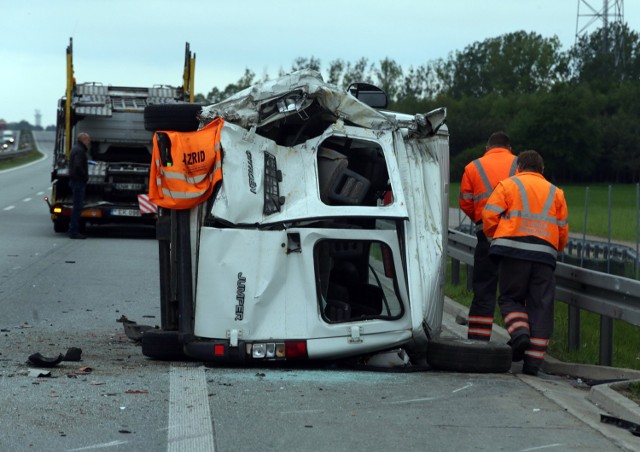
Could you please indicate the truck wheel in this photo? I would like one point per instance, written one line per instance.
(465, 355)
(162, 345)
(177, 117)
(60, 226)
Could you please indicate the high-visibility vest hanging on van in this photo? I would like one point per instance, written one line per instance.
(185, 166)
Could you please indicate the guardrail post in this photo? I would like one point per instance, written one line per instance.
(606, 341)
(574, 328)
(469, 276)
(455, 271)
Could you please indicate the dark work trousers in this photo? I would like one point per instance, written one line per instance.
(78, 189)
(485, 284)
(527, 292)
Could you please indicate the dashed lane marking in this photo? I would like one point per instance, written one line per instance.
(190, 427)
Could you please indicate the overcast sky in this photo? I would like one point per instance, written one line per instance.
(141, 42)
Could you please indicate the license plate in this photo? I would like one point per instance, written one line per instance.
(124, 186)
(125, 213)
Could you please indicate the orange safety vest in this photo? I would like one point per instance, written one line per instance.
(527, 217)
(185, 166)
(480, 178)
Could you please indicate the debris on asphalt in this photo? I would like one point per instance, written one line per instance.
(132, 330)
(37, 373)
(390, 358)
(44, 361)
(622, 423)
(73, 354)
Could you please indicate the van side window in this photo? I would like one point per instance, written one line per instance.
(356, 281)
(351, 172)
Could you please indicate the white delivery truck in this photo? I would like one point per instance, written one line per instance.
(326, 237)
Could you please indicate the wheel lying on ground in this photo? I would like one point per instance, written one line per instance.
(465, 355)
(162, 345)
(176, 117)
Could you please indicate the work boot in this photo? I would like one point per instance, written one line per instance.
(519, 345)
(530, 369)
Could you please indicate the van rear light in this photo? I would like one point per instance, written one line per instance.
(259, 351)
(296, 349)
(278, 350)
(218, 350)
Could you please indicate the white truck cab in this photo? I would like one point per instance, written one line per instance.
(325, 239)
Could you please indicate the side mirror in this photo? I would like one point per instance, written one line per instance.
(368, 94)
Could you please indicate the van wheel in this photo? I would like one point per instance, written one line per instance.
(466, 355)
(162, 345)
(177, 117)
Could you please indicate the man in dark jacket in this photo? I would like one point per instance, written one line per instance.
(78, 177)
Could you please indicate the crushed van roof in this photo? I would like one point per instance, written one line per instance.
(291, 94)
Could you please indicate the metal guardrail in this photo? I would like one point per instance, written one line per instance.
(612, 297)
(12, 154)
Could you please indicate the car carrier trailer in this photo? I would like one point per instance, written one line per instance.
(121, 147)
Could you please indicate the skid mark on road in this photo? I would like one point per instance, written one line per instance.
(190, 427)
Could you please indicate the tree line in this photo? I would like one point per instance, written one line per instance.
(579, 108)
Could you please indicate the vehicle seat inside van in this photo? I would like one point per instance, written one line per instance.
(338, 184)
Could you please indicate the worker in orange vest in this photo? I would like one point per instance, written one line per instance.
(526, 219)
(478, 181)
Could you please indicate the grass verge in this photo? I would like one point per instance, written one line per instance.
(20, 160)
(624, 221)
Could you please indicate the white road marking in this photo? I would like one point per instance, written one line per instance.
(190, 426)
(9, 207)
(100, 446)
(425, 399)
(548, 446)
(462, 388)
(27, 199)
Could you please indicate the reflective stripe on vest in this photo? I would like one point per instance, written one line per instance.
(485, 179)
(527, 214)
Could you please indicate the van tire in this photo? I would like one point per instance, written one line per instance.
(162, 345)
(176, 117)
(466, 355)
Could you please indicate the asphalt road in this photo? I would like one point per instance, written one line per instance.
(57, 293)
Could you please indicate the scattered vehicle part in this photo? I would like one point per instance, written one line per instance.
(43, 361)
(121, 147)
(37, 373)
(163, 345)
(389, 358)
(466, 355)
(622, 423)
(73, 354)
(132, 330)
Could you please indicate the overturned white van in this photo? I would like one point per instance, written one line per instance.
(326, 237)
